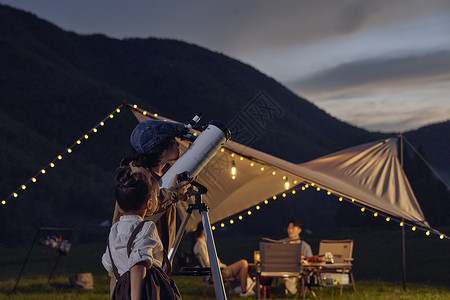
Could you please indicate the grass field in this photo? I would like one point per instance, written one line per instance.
(377, 268)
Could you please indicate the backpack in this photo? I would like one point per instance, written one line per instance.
(157, 283)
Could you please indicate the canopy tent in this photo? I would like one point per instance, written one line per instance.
(369, 175)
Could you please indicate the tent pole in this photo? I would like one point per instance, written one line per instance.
(403, 227)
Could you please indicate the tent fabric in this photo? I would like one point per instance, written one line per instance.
(370, 173)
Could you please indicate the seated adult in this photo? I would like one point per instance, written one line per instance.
(237, 270)
(294, 229)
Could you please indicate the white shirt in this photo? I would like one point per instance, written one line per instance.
(201, 251)
(146, 246)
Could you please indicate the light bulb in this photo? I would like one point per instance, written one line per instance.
(144, 113)
(3, 202)
(78, 142)
(222, 225)
(43, 171)
(240, 217)
(340, 199)
(15, 195)
(274, 197)
(69, 150)
(222, 150)
(118, 110)
(252, 164)
(23, 187)
(213, 227)
(257, 207)
(232, 154)
(94, 130)
(375, 214)
(86, 136)
(102, 123)
(33, 179)
(293, 192)
(363, 209)
(274, 173)
(155, 115)
(135, 106)
(262, 168)
(249, 213)
(388, 219)
(286, 185)
(59, 157)
(111, 116)
(284, 195)
(52, 165)
(231, 221)
(427, 233)
(401, 224)
(414, 228)
(266, 201)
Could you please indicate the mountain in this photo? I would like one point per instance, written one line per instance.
(56, 85)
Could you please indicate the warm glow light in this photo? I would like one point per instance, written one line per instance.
(353, 200)
(59, 157)
(303, 188)
(52, 165)
(414, 228)
(284, 195)
(340, 199)
(252, 164)
(102, 123)
(284, 177)
(222, 150)
(306, 185)
(249, 213)
(427, 233)
(86, 136)
(375, 214)
(213, 227)
(135, 106)
(3, 202)
(233, 177)
(232, 154)
(240, 217)
(257, 207)
(144, 113)
(43, 171)
(363, 209)
(94, 130)
(286, 185)
(23, 187)
(78, 142)
(69, 150)
(33, 179)
(233, 170)
(241, 158)
(155, 115)
(111, 116)
(118, 110)
(295, 181)
(15, 195)
(312, 183)
(401, 224)
(262, 168)
(222, 225)
(293, 192)
(328, 193)
(274, 173)
(274, 197)
(266, 201)
(195, 134)
(231, 221)
(441, 236)
(318, 189)
(388, 219)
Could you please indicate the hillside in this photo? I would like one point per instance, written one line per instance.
(55, 85)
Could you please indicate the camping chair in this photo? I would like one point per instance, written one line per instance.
(278, 259)
(339, 271)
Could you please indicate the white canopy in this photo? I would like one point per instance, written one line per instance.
(370, 174)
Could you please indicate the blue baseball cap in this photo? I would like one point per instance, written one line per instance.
(149, 134)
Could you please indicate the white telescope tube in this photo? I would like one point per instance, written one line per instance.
(198, 154)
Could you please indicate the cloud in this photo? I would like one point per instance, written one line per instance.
(384, 71)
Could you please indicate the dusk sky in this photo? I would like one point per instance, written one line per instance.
(379, 65)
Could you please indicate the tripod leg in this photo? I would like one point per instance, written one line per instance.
(213, 260)
(26, 259)
(179, 236)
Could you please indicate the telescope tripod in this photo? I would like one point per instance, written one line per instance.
(214, 262)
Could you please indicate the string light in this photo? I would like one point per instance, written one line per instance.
(252, 164)
(340, 199)
(241, 158)
(231, 221)
(232, 154)
(375, 214)
(441, 236)
(222, 150)
(303, 188)
(266, 201)
(295, 181)
(222, 225)
(274, 173)
(328, 193)
(388, 219)
(213, 227)
(401, 224)
(284, 195)
(262, 169)
(274, 197)
(240, 217)
(155, 115)
(257, 207)
(413, 228)
(249, 212)
(318, 189)
(60, 156)
(428, 232)
(363, 209)
(293, 192)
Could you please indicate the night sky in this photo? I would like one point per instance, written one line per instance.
(379, 65)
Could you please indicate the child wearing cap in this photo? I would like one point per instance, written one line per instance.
(154, 146)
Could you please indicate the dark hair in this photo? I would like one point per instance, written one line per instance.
(132, 189)
(296, 223)
(150, 159)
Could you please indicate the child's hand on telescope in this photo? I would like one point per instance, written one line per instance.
(181, 187)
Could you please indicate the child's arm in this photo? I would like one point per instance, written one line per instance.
(137, 275)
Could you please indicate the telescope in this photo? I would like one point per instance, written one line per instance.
(199, 153)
